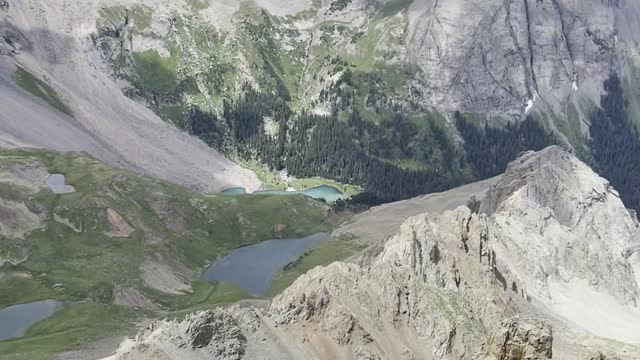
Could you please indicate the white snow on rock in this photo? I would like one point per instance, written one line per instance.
(528, 106)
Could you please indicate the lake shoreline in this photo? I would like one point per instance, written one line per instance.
(254, 267)
(15, 320)
(327, 193)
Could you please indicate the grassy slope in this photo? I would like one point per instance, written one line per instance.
(139, 15)
(393, 7)
(72, 326)
(156, 74)
(41, 89)
(84, 263)
(336, 249)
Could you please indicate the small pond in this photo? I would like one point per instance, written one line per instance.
(328, 193)
(56, 183)
(15, 320)
(253, 267)
(235, 191)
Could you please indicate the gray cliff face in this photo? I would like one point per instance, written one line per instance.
(519, 280)
(493, 56)
(505, 58)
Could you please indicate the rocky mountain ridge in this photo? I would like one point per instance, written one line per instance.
(546, 269)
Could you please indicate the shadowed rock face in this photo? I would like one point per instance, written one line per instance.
(504, 57)
(500, 284)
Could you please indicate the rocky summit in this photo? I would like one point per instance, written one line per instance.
(546, 268)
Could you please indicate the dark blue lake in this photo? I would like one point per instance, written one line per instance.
(253, 267)
(15, 320)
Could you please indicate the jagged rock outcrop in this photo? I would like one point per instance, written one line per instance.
(520, 340)
(424, 295)
(551, 240)
(219, 330)
(576, 226)
(212, 334)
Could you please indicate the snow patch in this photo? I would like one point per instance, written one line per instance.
(321, 110)
(528, 106)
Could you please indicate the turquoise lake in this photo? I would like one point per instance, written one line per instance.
(329, 193)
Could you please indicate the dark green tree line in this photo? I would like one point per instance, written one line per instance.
(490, 149)
(615, 144)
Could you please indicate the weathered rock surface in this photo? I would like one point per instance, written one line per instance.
(567, 240)
(119, 226)
(504, 57)
(499, 55)
(551, 241)
(131, 297)
(521, 339)
(213, 334)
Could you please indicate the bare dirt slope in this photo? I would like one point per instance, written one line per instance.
(51, 41)
(380, 222)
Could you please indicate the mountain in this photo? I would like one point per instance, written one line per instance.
(546, 268)
(488, 58)
(140, 110)
(424, 86)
